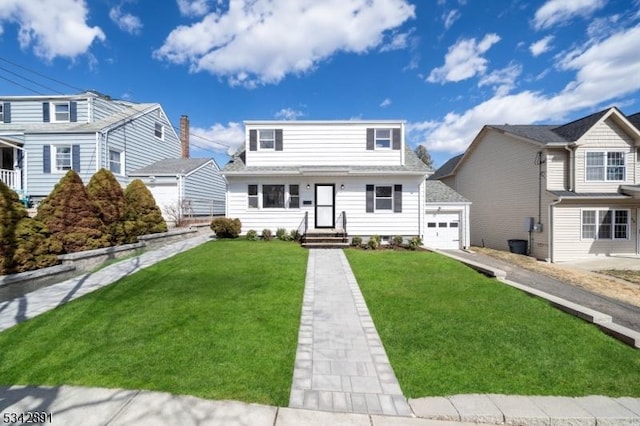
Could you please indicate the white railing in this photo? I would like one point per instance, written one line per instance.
(11, 178)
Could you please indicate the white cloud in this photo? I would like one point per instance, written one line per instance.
(450, 18)
(556, 12)
(502, 80)
(288, 114)
(398, 41)
(219, 137)
(53, 27)
(464, 60)
(125, 21)
(193, 7)
(385, 103)
(262, 41)
(541, 46)
(604, 72)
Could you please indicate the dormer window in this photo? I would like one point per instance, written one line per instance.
(267, 139)
(382, 138)
(60, 112)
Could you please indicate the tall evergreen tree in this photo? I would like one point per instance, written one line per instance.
(107, 196)
(71, 217)
(11, 211)
(143, 214)
(423, 154)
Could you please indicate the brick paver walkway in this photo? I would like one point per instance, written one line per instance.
(341, 364)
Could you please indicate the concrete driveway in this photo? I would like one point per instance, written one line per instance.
(598, 263)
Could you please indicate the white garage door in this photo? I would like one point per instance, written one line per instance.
(442, 230)
(165, 196)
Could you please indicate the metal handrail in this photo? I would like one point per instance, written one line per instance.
(342, 220)
(304, 225)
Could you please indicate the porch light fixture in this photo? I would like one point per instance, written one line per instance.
(308, 186)
(342, 186)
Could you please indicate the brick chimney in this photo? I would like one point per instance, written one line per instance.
(184, 135)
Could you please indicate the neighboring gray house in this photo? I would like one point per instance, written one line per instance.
(42, 137)
(189, 187)
(571, 191)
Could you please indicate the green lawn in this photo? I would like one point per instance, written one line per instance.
(219, 321)
(448, 330)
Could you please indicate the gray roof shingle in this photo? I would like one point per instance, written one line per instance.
(438, 192)
(446, 168)
(171, 166)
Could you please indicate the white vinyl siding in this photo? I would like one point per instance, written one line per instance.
(323, 145)
(557, 170)
(604, 138)
(205, 190)
(351, 199)
(568, 228)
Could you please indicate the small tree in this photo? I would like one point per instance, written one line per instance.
(35, 246)
(71, 217)
(11, 212)
(143, 215)
(108, 198)
(424, 156)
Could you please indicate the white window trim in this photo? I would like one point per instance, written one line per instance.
(287, 197)
(605, 152)
(161, 137)
(613, 224)
(257, 196)
(1, 112)
(122, 166)
(375, 139)
(375, 198)
(54, 158)
(260, 148)
(52, 112)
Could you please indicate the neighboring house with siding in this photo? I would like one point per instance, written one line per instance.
(185, 187)
(328, 175)
(572, 191)
(42, 137)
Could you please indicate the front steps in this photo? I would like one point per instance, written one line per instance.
(325, 238)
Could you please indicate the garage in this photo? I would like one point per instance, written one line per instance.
(446, 217)
(443, 230)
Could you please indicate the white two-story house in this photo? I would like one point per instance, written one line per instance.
(570, 191)
(42, 137)
(355, 176)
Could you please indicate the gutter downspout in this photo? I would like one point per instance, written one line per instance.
(550, 229)
(572, 167)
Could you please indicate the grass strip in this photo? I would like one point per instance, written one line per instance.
(219, 321)
(449, 330)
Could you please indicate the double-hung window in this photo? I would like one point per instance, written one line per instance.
(159, 131)
(267, 139)
(115, 162)
(253, 196)
(384, 197)
(60, 112)
(62, 155)
(294, 196)
(1, 112)
(605, 166)
(605, 224)
(382, 138)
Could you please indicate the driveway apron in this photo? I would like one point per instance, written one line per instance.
(341, 365)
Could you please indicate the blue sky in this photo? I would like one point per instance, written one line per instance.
(447, 67)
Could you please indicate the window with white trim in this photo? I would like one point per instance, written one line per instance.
(294, 196)
(115, 162)
(63, 157)
(253, 196)
(272, 196)
(605, 224)
(1, 112)
(159, 131)
(382, 139)
(384, 197)
(267, 139)
(605, 166)
(60, 112)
